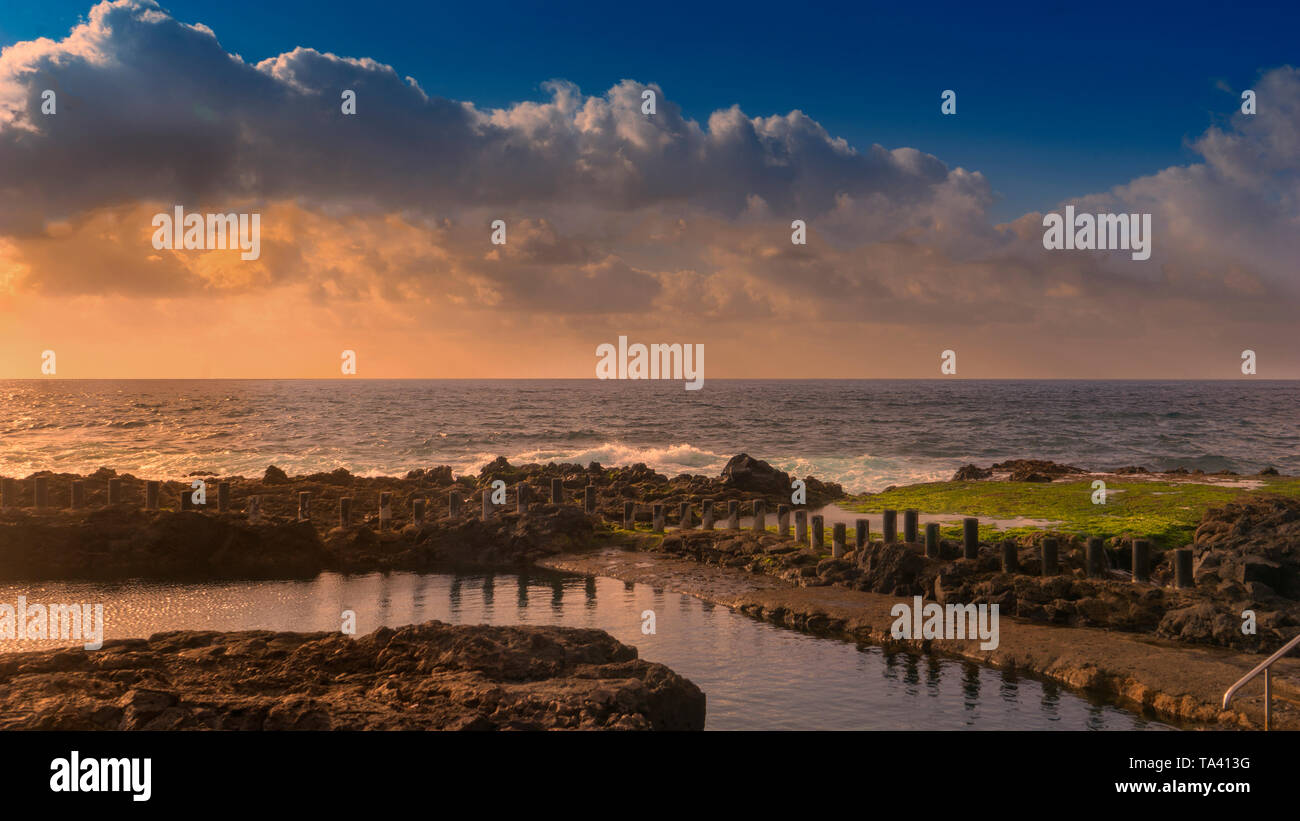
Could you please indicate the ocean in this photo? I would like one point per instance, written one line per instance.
(864, 434)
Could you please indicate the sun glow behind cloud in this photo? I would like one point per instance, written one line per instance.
(375, 232)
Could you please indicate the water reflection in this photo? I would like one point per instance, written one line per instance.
(756, 675)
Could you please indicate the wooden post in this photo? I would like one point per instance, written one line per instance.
(254, 509)
(115, 491)
(760, 516)
(151, 495)
(837, 540)
(223, 497)
(1183, 567)
(932, 540)
(557, 491)
(801, 526)
(1095, 558)
(861, 533)
(1141, 560)
(41, 492)
(78, 494)
(8, 493)
(304, 506)
(523, 494)
(911, 521)
(970, 538)
(890, 526)
(733, 515)
(1010, 557)
(1049, 557)
(657, 515)
(783, 521)
(187, 498)
(453, 503)
(487, 505)
(818, 533)
(589, 498)
(417, 511)
(345, 511)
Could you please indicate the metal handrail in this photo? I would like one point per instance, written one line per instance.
(1268, 685)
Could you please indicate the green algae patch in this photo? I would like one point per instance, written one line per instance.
(1165, 512)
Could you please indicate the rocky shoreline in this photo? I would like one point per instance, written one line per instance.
(431, 676)
(1247, 559)
(1247, 551)
(98, 540)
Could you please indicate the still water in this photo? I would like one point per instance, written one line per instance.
(756, 675)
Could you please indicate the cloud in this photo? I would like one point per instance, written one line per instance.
(613, 215)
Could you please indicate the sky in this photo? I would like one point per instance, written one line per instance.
(924, 229)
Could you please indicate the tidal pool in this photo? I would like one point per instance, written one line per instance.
(757, 676)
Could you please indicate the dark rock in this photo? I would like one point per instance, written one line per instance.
(432, 676)
(970, 473)
(1024, 468)
(747, 473)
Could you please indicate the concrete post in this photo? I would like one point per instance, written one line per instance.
(706, 514)
(345, 511)
(818, 533)
(911, 523)
(1095, 558)
(78, 494)
(970, 538)
(151, 495)
(801, 526)
(254, 509)
(557, 491)
(187, 498)
(890, 526)
(417, 511)
(837, 540)
(657, 514)
(8, 493)
(932, 540)
(1141, 560)
(1010, 557)
(1049, 556)
(453, 503)
(523, 495)
(760, 516)
(783, 521)
(115, 491)
(304, 506)
(733, 515)
(487, 504)
(629, 515)
(1183, 567)
(684, 520)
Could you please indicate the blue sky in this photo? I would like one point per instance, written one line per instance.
(1052, 103)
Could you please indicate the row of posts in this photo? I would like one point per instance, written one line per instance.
(1095, 557)
(41, 494)
(77, 497)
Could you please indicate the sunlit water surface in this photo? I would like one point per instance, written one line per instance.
(756, 675)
